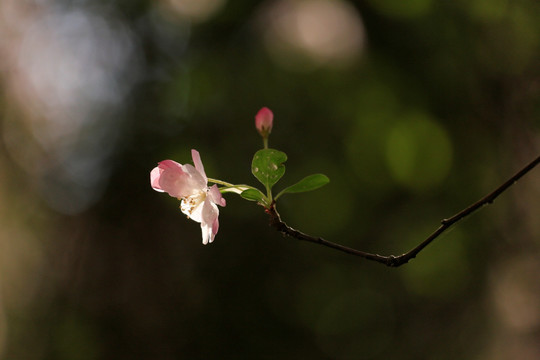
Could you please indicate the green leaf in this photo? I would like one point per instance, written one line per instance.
(253, 195)
(308, 183)
(267, 166)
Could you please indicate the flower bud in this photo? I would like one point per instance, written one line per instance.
(263, 121)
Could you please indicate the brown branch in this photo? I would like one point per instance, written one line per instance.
(393, 260)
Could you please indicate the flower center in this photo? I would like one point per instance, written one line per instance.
(190, 203)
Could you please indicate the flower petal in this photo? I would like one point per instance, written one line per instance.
(198, 163)
(210, 213)
(215, 227)
(207, 236)
(173, 179)
(209, 232)
(197, 182)
(215, 196)
(192, 206)
(154, 179)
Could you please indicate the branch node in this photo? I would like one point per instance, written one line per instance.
(393, 261)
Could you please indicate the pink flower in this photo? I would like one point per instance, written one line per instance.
(264, 121)
(190, 185)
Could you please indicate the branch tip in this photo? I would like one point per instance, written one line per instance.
(393, 260)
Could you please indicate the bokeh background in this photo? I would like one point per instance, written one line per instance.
(414, 109)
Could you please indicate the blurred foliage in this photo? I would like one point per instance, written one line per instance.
(413, 109)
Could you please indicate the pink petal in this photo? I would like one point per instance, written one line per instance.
(215, 196)
(198, 163)
(154, 179)
(173, 179)
(169, 164)
(209, 215)
(196, 181)
(215, 228)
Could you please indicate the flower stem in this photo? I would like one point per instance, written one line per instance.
(228, 187)
(221, 182)
(269, 194)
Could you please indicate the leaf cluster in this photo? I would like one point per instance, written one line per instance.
(268, 167)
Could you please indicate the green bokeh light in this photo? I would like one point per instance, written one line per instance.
(443, 270)
(402, 9)
(487, 10)
(418, 152)
(377, 109)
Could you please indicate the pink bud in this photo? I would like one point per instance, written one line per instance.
(263, 121)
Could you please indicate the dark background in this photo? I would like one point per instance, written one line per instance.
(414, 109)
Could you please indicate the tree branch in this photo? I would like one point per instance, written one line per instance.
(393, 260)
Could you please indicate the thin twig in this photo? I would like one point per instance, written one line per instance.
(393, 260)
